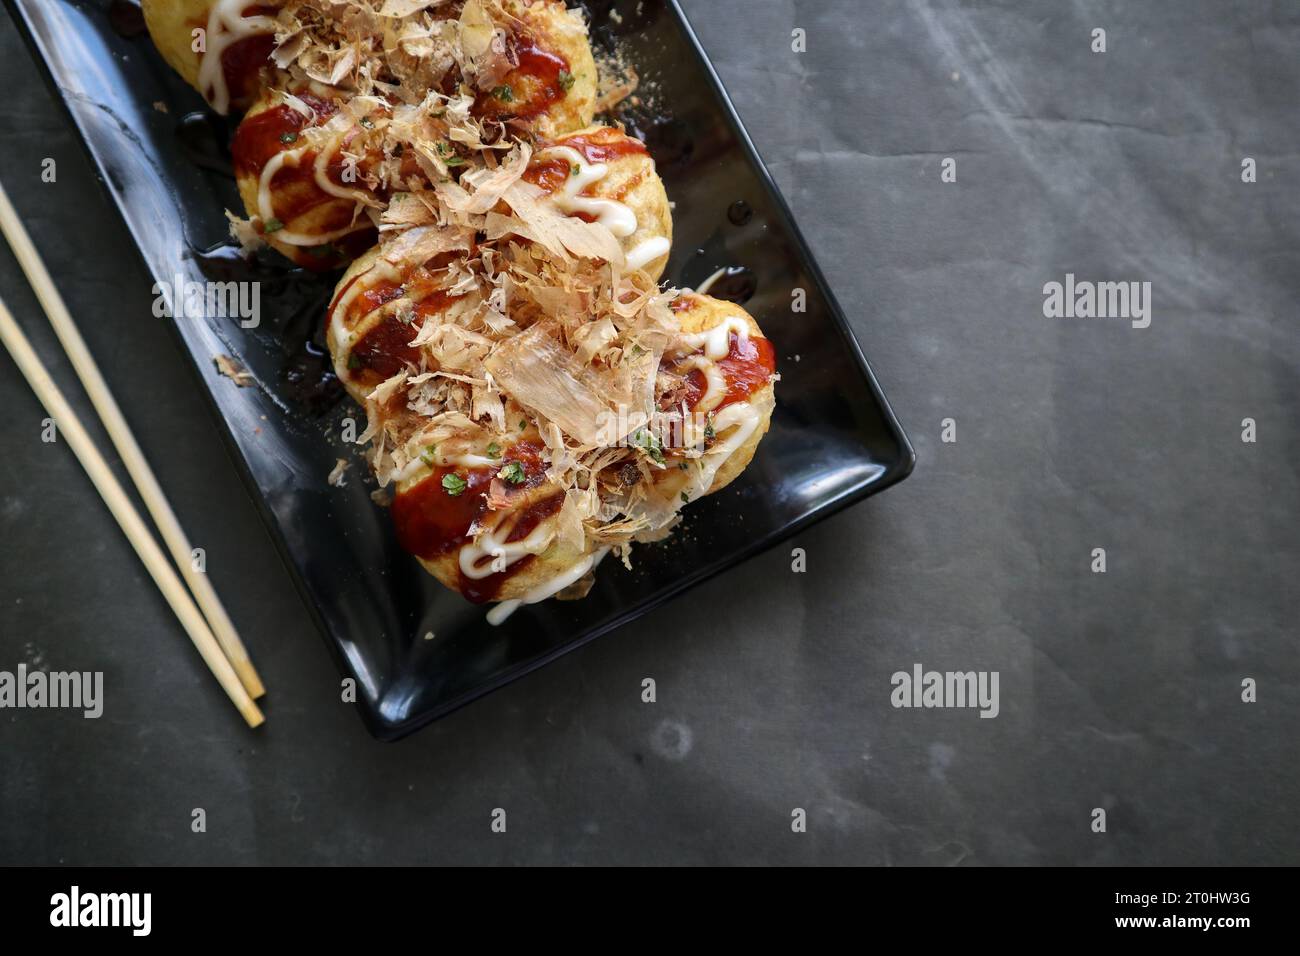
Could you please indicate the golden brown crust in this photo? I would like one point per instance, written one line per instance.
(341, 330)
(632, 180)
(170, 24)
(743, 455)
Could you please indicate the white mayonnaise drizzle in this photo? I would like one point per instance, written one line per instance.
(716, 381)
(292, 157)
(716, 341)
(321, 172)
(646, 252)
(742, 418)
(226, 25)
(734, 424)
(415, 465)
(546, 589)
(381, 271)
(492, 544)
(615, 216)
(466, 460)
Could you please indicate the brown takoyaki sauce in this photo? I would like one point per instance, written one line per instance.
(271, 131)
(382, 352)
(540, 80)
(384, 348)
(486, 589)
(431, 522)
(295, 191)
(747, 367)
(550, 173)
(242, 61)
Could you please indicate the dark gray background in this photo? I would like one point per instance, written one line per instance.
(1118, 690)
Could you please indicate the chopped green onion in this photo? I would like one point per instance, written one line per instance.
(647, 442)
(494, 450)
(272, 225)
(504, 93)
(566, 80)
(426, 455)
(454, 484)
(288, 137)
(449, 157)
(513, 473)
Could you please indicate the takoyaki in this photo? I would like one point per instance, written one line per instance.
(305, 166)
(313, 159)
(477, 497)
(535, 400)
(526, 62)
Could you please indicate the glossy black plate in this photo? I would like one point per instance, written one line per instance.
(833, 440)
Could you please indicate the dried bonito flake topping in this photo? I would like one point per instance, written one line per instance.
(534, 399)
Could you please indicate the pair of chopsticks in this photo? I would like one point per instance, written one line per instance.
(210, 629)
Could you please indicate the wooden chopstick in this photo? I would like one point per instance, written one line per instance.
(127, 447)
(137, 532)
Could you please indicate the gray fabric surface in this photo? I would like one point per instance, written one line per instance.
(1119, 691)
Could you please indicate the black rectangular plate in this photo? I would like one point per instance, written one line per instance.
(833, 441)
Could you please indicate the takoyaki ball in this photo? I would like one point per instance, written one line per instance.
(481, 517)
(375, 314)
(606, 176)
(479, 479)
(238, 37)
(723, 368)
(552, 89)
(300, 179)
